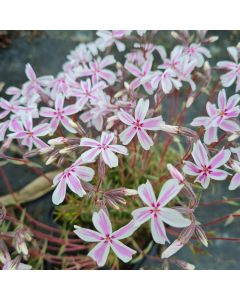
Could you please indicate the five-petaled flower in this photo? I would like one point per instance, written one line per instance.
(104, 148)
(156, 211)
(29, 134)
(139, 125)
(233, 69)
(60, 114)
(204, 168)
(71, 177)
(107, 239)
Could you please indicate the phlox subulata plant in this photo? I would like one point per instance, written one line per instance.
(108, 125)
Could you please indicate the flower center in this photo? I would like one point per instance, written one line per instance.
(206, 169)
(138, 125)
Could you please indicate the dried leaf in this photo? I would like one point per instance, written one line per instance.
(32, 191)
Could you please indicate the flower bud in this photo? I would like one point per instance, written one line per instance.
(201, 236)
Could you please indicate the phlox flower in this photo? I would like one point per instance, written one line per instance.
(141, 76)
(204, 168)
(156, 211)
(166, 79)
(29, 134)
(87, 92)
(196, 53)
(97, 70)
(219, 117)
(34, 85)
(109, 37)
(71, 177)
(103, 148)
(106, 239)
(233, 69)
(235, 181)
(60, 114)
(138, 125)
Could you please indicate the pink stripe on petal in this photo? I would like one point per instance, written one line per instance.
(102, 223)
(87, 235)
(125, 117)
(133, 69)
(108, 75)
(127, 135)
(228, 78)
(84, 173)
(47, 112)
(219, 175)
(59, 101)
(144, 139)
(122, 251)
(146, 193)
(91, 154)
(41, 130)
(30, 73)
(169, 190)
(173, 218)
(119, 149)
(109, 158)
(199, 154)
(60, 192)
(229, 126)
(70, 110)
(100, 253)
(107, 137)
(158, 230)
(233, 101)
(141, 215)
(210, 135)
(141, 109)
(153, 123)
(220, 159)
(204, 179)
(66, 124)
(222, 99)
(87, 142)
(135, 83)
(235, 182)
(75, 185)
(125, 231)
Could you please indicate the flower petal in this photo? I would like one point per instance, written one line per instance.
(222, 101)
(75, 185)
(90, 154)
(173, 218)
(60, 192)
(146, 194)
(235, 182)
(119, 149)
(87, 235)
(125, 117)
(220, 159)
(141, 215)
(169, 190)
(141, 109)
(87, 142)
(153, 123)
(210, 135)
(100, 253)
(107, 137)
(59, 101)
(127, 135)
(218, 174)
(84, 173)
(109, 158)
(199, 154)
(125, 231)
(122, 251)
(158, 230)
(144, 139)
(102, 222)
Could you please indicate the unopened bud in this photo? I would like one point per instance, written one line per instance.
(130, 192)
(234, 136)
(184, 265)
(201, 236)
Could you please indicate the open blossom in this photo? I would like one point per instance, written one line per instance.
(156, 211)
(103, 148)
(29, 134)
(166, 79)
(141, 76)
(97, 70)
(219, 117)
(235, 181)
(138, 125)
(233, 69)
(109, 37)
(106, 239)
(60, 114)
(71, 177)
(196, 53)
(204, 168)
(87, 92)
(34, 85)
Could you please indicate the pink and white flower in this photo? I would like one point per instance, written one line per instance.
(29, 134)
(233, 69)
(138, 125)
(141, 75)
(219, 117)
(103, 148)
(196, 53)
(87, 92)
(167, 80)
(109, 37)
(204, 168)
(156, 211)
(97, 70)
(60, 114)
(106, 239)
(235, 165)
(71, 177)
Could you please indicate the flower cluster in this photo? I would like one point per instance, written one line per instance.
(98, 110)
